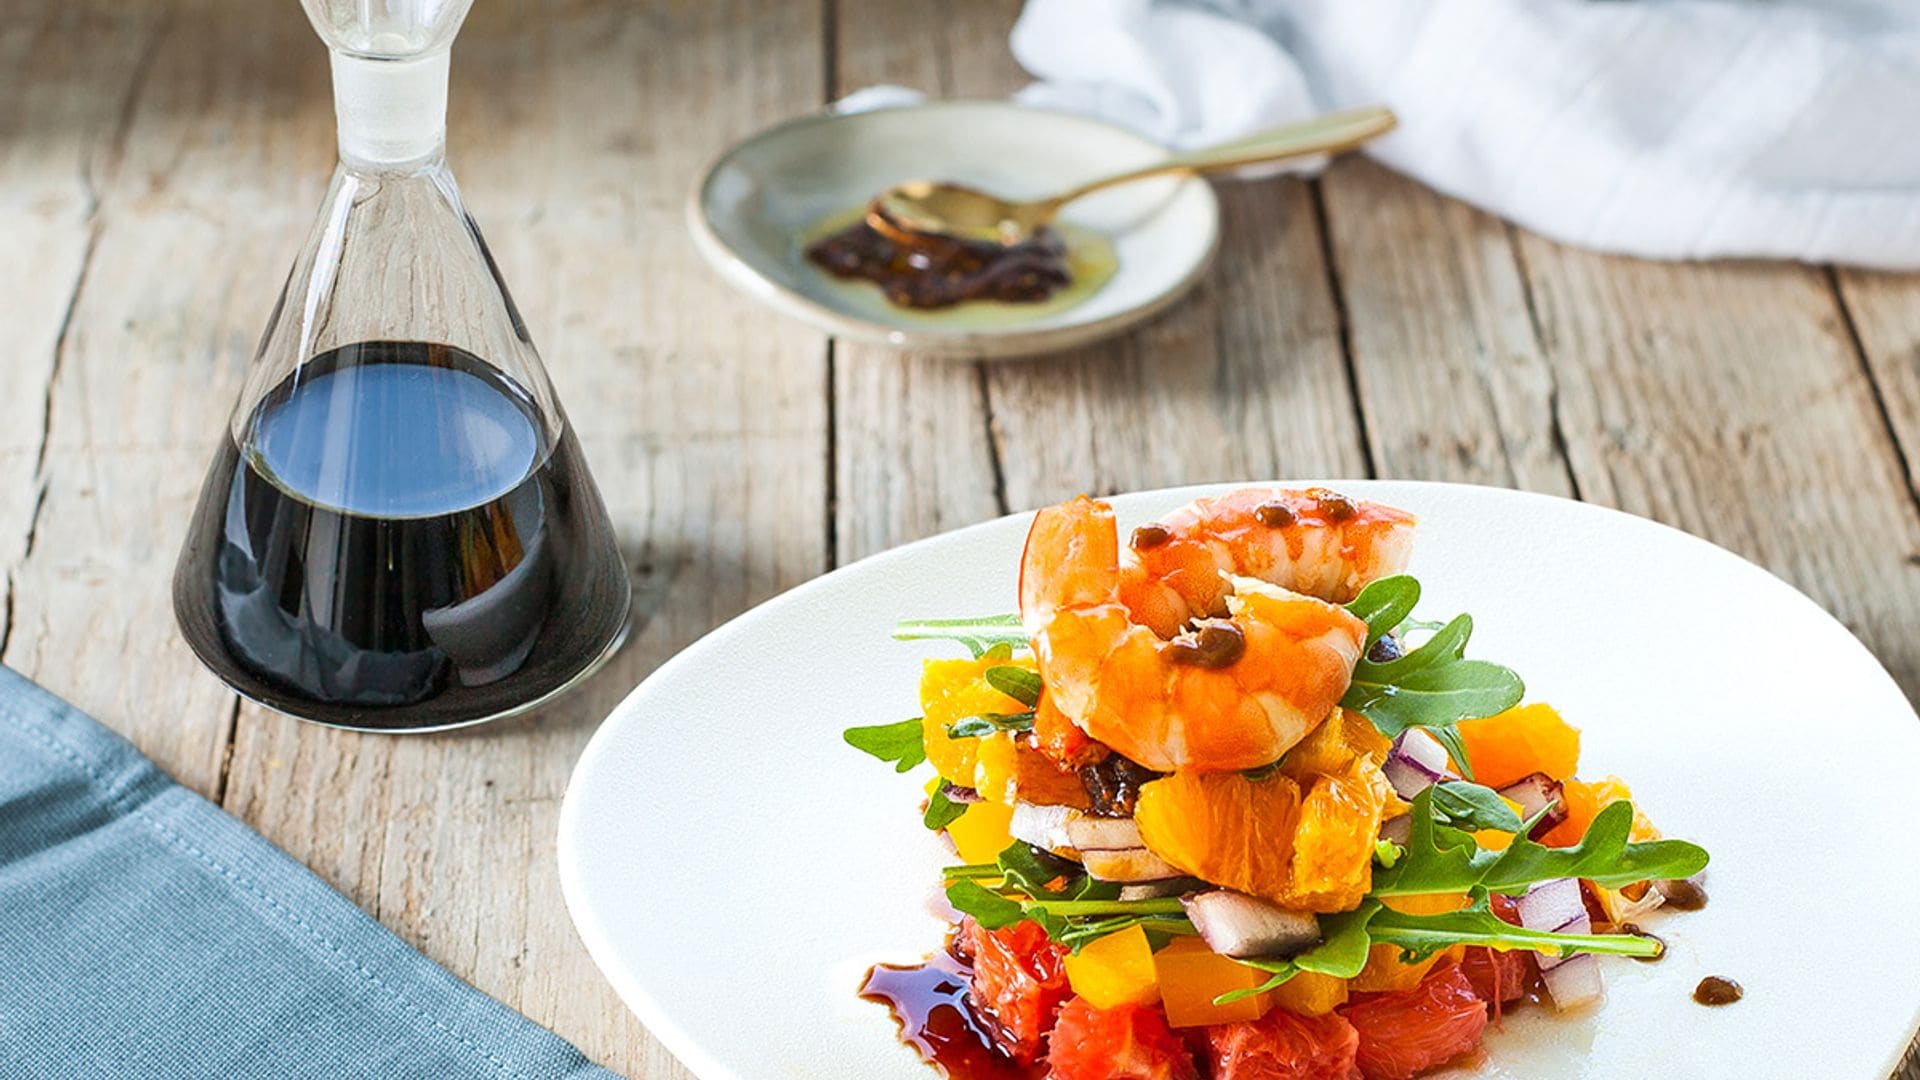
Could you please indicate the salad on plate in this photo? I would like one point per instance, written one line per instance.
(1223, 806)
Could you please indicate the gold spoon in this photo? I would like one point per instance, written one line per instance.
(936, 206)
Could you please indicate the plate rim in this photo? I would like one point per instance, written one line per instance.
(973, 343)
(703, 1064)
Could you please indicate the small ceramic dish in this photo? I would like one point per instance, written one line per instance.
(755, 209)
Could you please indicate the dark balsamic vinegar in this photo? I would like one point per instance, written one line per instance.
(398, 541)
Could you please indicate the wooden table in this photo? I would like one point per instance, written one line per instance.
(160, 163)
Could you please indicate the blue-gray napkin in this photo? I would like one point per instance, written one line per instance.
(143, 932)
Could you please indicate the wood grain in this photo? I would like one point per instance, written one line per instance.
(1440, 330)
(1244, 380)
(913, 452)
(160, 163)
(191, 169)
(702, 417)
(1727, 399)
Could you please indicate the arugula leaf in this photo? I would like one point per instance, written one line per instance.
(1603, 856)
(942, 811)
(1433, 687)
(988, 908)
(1342, 952)
(1441, 858)
(980, 634)
(1435, 858)
(1032, 870)
(1473, 807)
(1017, 683)
(1385, 604)
(1476, 924)
(988, 723)
(899, 743)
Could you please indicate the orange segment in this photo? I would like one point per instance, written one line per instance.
(1585, 799)
(1386, 972)
(1223, 828)
(1523, 740)
(1191, 976)
(1311, 994)
(1302, 837)
(951, 691)
(1006, 770)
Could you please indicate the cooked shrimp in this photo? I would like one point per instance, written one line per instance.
(1232, 693)
(1315, 542)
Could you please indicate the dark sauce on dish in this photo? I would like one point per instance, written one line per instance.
(1714, 990)
(1684, 894)
(1637, 931)
(929, 1001)
(930, 270)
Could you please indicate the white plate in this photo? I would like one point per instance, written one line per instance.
(750, 212)
(734, 867)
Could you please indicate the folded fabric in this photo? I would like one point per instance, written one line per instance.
(143, 932)
(1663, 128)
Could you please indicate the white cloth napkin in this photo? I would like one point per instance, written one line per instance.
(1663, 128)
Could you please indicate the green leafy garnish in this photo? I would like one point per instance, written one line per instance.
(1385, 604)
(942, 811)
(988, 723)
(1476, 924)
(980, 634)
(1441, 858)
(1342, 952)
(1473, 807)
(1433, 687)
(1017, 683)
(988, 908)
(899, 743)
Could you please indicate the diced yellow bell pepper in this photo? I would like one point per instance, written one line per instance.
(980, 834)
(1115, 970)
(1191, 976)
(951, 691)
(1311, 994)
(996, 768)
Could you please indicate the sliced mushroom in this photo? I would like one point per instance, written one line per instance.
(1129, 865)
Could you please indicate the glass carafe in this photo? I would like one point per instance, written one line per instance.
(398, 532)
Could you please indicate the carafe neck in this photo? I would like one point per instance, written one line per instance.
(392, 113)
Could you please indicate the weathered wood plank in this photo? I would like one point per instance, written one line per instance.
(1451, 377)
(1727, 399)
(59, 136)
(1885, 313)
(703, 418)
(913, 454)
(1245, 379)
(192, 241)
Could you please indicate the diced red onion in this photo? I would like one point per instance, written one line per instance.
(1535, 793)
(1417, 762)
(1397, 829)
(1234, 924)
(963, 795)
(1558, 907)
(1573, 982)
